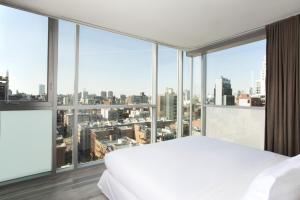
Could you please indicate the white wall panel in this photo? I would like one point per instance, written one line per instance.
(238, 125)
(25, 143)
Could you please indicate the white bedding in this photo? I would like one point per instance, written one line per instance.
(113, 189)
(191, 168)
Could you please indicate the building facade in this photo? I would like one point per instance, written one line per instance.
(4, 87)
(223, 92)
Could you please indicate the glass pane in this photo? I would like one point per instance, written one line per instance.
(167, 93)
(65, 121)
(25, 143)
(66, 63)
(186, 94)
(196, 115)
(236, 76)
(114, 69)
(23, 55)
(103, 130)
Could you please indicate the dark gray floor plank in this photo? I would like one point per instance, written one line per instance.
(80, 184)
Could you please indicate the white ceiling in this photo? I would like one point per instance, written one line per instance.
(186, 24)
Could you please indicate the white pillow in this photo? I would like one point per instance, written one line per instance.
(279, 182)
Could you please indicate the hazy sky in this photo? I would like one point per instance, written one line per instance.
(236, 64)
(109, 61)
(23, 49)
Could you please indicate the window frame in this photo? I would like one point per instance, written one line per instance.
(204, 62)
(247, 38)
(51, 71)
(77, 106)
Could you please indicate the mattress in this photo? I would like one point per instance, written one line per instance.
(193, 168)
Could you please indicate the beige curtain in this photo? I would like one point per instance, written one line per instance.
(282, 133)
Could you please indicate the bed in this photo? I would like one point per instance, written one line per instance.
(192, 168)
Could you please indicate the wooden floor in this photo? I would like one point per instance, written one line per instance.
(78, 184)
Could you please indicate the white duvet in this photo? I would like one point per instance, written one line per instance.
(190, 168)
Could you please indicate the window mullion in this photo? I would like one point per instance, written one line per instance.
(75, 100)
(154, 92)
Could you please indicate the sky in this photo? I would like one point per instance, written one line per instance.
(109, 61)
(236, 64)
(23, 49)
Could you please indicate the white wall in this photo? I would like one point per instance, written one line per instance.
(25, 143)
(238, 125)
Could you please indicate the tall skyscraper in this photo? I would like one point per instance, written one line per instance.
(84, 94)
(42, 89)
(110, 94)
(186, 95)
(261, 82)
(161, 106)
(171, 104)
(122, 99)
(223, 92)
(4, 87)
(103, 94)
(167, 105)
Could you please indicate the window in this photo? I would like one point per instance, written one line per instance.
(114, 87)
(65, 93)
(236, 86)
(66, 63)
(237, 75)
(114, 69)
(103, 130)
(167, 93)
(196, 100)
(23, 56)
(115, 82)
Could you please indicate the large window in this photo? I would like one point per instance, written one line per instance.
(236, 89)
(236, 76)
(167, 93)
(23, 56)
(113, 69)
(66, 63)
(65, 94)
(25, 111)
(114, 93)
(109, 75)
